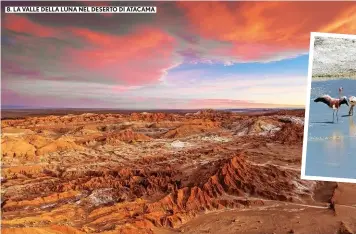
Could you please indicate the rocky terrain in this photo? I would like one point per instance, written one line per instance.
(334, 58)
(203, 172)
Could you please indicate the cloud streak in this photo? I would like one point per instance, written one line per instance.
(141, 57)
(266, 30)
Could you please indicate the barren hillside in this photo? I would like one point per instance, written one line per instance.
(204, 172)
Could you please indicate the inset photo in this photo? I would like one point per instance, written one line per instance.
(329, 150)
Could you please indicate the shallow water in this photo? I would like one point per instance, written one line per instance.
(331, 148)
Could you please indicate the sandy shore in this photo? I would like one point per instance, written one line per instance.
(325, 78)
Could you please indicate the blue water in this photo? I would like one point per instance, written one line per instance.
(331, 148)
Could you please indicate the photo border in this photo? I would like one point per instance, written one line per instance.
(307, 108)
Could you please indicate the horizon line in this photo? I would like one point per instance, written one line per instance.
(143, 109)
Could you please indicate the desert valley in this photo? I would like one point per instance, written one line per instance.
(202, 172)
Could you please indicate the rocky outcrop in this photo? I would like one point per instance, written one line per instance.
(290, 134)
(192, 127)
(61, 144)
(126, 136)
(17, 148)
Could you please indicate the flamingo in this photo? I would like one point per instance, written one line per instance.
(340, 91)
(352, 101)
(333, 103)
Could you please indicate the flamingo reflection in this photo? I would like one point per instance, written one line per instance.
(352, 127)
(334, 148)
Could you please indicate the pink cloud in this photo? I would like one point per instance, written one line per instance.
(217, 102)
(98, 4)
(141, 57)
(120, 89)
(249, 52)
(263, 30)
(12, 68)
(21, 24)
(134, 59)
(225, 103)
(193, 39)
(12, 98)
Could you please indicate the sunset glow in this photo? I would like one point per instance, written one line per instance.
(188, 55)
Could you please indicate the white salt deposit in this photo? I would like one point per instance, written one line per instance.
(178, 144)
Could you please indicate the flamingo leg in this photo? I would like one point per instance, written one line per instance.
(337, 116)
(333, 116)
